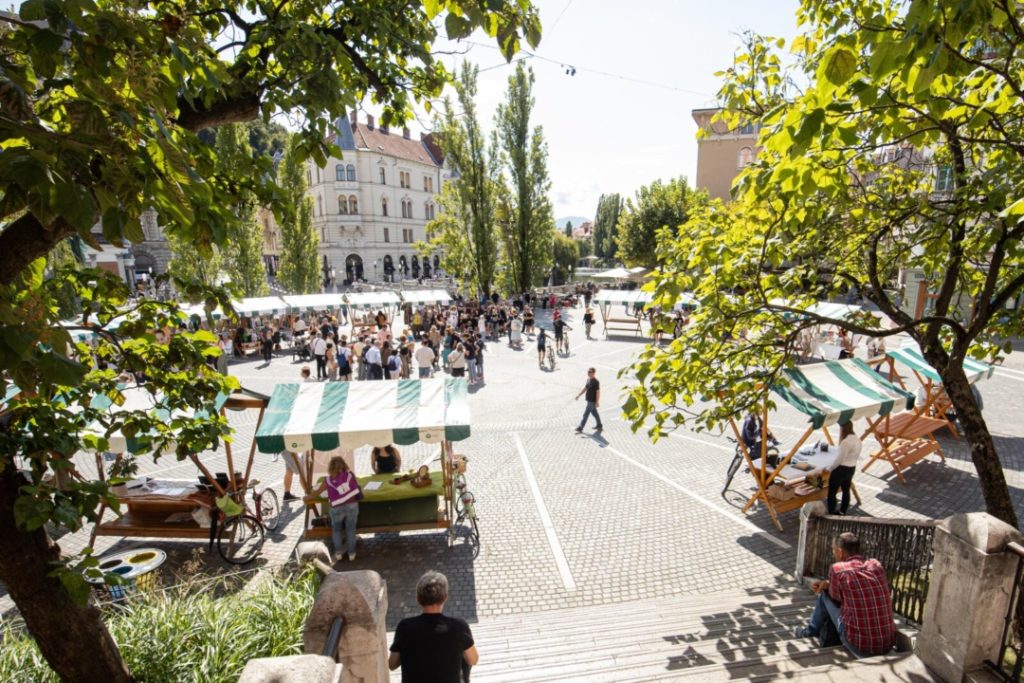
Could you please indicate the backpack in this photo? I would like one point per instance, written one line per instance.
(393, 363)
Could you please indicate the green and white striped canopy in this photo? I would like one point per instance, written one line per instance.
(136, 399)
(260, 305)
(426, 296)
(910, 356)
(314, 302)
(381, 299)
(327, 415)
(623, 296)
(199, 311)
(837, 391)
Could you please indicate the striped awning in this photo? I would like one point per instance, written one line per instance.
(837, 391)
(381, 299)
(136, 399)
(623, 296)
(327, 415)
(260, 305)
(199, 311)
(314, 302)
(910, 357)
(426, 296)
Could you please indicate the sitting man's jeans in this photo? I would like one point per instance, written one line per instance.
(826, 608)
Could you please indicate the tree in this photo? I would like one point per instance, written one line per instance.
(568, 228)
(657, 205)
(609, 206)
(902, 153)
(524, 153)
(189, 264)
(566, 254)
(101, 104)
(65, 299)
(299, 271)
(244, 252)
(466, 237)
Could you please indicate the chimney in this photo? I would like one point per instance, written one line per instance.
(384, 129)
(405, 132)
(369, 121)
(353, 117)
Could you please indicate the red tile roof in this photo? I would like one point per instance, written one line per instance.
(391, 144)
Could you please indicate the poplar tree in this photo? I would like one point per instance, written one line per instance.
(299, 271)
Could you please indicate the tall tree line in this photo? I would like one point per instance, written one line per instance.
(299, 271)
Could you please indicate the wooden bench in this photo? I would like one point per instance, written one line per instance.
(624, 324)
(906, 439)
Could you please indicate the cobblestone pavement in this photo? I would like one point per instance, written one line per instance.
(621, 518)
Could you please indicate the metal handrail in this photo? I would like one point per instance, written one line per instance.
(1012, 611)
(333, 636)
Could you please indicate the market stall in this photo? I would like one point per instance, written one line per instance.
(313, 418)
(313, 303)
(163, 508)
(830, 393)
(363, 306)
(632, 301)
(426, 296)
(911, 437)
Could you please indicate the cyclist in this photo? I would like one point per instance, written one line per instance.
(542, 342)
(560, 327)
(751, 433)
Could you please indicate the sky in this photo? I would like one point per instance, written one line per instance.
(617, 132)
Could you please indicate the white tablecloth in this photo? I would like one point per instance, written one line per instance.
(812, 455)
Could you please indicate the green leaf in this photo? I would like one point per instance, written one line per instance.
(32, 10)
(58, 369)
(75, 204)
(76, 586)
(838, 66)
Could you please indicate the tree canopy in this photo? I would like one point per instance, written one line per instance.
(656, 206)
(902, 154)
(606, 217)
(299, 271)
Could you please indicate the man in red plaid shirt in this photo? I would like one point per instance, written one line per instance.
(856, 599)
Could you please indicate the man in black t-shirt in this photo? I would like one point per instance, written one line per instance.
(433, 648)
(593, 391)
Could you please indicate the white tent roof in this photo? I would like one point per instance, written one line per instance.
(613, 274)
(313, 302)
(260, 304)
(372, 299)
(623, 296)
(426, 296)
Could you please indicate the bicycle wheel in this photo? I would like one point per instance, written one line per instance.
(270, 509)
(240, 539)
(551, 360)
(734, 467)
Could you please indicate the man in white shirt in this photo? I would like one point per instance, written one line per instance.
(375, 371)
(319, 348)
(425, 359)
(299, 327)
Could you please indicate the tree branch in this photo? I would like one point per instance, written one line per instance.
(239, 109)
(25, 240)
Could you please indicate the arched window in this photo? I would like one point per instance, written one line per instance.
(339, 172)
(317, 175)
(410, 208)
(350, 171)
(415, 266)
(383, 178)
(437, 262)
(309, 176)
(353, 207)
(383, 205)
(342, 205)
(746, 156)
(319, 205)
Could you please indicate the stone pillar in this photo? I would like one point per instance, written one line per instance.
(361, 598)
(293, 669)
(969, 595)
(808, 522)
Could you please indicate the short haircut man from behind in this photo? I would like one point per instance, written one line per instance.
(432, 589)
(849, 543)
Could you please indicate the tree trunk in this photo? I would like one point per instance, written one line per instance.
(72, 637)
(983, 449)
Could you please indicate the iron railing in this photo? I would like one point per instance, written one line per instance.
(1011, 646)
(902, 546)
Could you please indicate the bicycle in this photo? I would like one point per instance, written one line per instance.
(563, 343)
(549, 356)
(771, 453)
(465, 509)
(241, 536)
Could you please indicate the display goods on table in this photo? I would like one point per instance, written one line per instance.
(310, 420)
(830, 393)
(607, 299)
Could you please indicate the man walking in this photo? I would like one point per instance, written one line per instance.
(375, 369)
(319, 349)
(856, 600)
(433, 647)
(593, 391)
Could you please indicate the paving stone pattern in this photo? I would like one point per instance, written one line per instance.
(627, 535)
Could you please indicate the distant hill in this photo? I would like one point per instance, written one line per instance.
(577, 221)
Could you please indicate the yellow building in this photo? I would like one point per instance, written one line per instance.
(722, 154)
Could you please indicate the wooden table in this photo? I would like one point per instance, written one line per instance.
(906, 439)
(160, 509)
(790, 477)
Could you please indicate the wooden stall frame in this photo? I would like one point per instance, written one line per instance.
(624, 324)
(125, 525)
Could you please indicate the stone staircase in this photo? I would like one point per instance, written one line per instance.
(716, 637)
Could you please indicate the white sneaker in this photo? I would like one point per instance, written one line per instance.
(351, 557)
(336, 557)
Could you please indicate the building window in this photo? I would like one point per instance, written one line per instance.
(353, 207)
(428, 211)
(426, 183)
(407, 235)
(309, 177)
(748, 129)
(342, 205)
(339, 172)
(387, 235)
(319, 205)
(384, 206)
(944, 178)
(317, 175)
(746, 157)
(350, 172)
(383, 178)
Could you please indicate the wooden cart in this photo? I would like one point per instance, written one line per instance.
(308, 421)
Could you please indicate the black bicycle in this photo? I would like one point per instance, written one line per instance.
(771, 453)
(241, 536)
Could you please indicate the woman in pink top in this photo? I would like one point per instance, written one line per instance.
(344, 493)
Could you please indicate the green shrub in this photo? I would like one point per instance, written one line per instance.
(188, 634)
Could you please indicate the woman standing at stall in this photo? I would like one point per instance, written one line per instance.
(385, 460)
(343, 493)
(842, 469)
